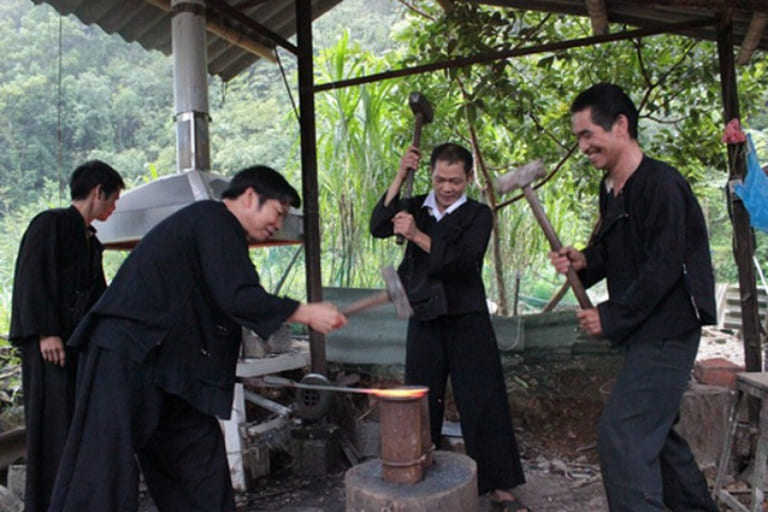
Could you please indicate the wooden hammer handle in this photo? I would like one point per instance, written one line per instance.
(408, 185)
(373, 300)
(554, 242)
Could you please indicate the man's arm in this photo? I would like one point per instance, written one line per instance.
(320, 316)
(383, 221)
(36, 299)
(235, 286)
(410, 160)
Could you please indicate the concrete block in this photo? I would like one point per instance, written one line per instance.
(9, 502)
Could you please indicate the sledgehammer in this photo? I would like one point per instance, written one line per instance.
(394, 293)
(522, 178)
(422, 113)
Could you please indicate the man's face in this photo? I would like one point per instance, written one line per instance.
(263, 219)
(601, 147)
(449, 182)
(105, 204)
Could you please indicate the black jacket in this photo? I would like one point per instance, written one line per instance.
(652, 247)
(180, 298)
(448, 279)
(58, 276)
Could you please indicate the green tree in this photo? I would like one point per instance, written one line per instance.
(518, 109)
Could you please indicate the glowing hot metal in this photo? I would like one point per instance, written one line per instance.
(393, 393)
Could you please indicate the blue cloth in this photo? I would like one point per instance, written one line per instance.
(754, 191)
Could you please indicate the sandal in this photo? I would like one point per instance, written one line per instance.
(513, 505)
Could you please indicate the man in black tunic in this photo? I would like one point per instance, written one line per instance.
(160, 353)
(58, 278)
(450, 332)
(651, 246)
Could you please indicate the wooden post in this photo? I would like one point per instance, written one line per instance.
(743, 240)
(309, 175)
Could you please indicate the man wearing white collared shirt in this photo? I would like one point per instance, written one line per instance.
(434, 209)
(450, 333)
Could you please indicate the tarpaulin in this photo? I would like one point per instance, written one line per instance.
(754, 190)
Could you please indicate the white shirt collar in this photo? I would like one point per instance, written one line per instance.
(431, 203)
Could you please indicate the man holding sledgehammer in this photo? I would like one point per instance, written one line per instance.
(450, 332)
(651, 246)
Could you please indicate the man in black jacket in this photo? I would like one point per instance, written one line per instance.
(450, 332)
(161, 349)
(651, 246)
(58, 277)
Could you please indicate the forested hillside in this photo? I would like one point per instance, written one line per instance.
(69, 92)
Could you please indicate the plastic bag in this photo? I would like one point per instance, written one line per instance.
(754, 191)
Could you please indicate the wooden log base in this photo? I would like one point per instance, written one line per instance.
(449, 484)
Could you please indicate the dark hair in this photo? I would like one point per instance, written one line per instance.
(608, 102)
(266, 182)
(92, 174)
(451, 153)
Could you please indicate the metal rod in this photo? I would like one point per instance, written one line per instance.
(266, 403)
(274, 380)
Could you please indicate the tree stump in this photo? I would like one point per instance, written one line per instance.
(449, 484)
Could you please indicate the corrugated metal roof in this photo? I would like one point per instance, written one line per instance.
(257, 26)
(148, 22)
(654, 13)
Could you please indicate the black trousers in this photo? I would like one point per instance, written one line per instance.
(49, 396)
(120, 417)
(646, 465)
(464, 348)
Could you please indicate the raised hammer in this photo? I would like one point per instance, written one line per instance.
(394, 293)
(522, 178)
(422, 112)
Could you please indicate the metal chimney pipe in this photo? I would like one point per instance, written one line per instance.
(190, 85)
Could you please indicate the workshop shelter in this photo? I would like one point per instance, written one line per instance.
(224, 37)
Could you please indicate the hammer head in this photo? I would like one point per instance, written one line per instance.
(396, 292)
(420, 105)
(520, 177)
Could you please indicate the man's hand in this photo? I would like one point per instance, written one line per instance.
(589, 320)
(320, 316)
(567, 257)
(404, 224)
(52, 350)
(410, 160)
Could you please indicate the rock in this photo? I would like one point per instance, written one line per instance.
(716, 371)
(9, 502)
